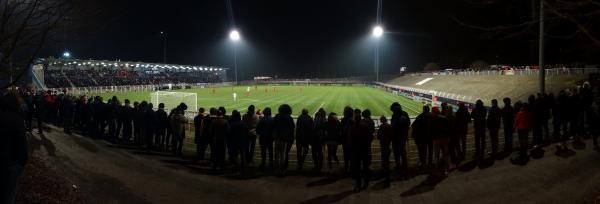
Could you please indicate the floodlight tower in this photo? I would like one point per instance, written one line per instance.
(234, 36)
(66, 54)
(377, 34)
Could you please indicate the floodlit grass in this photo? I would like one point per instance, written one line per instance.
(331, 98)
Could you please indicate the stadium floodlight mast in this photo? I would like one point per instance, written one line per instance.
(66, 54)
(377, 34)
(234, 35)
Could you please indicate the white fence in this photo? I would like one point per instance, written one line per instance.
(517, 72)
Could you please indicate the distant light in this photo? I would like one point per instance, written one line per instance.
(377, 31)
(66, 54)
(234, 35)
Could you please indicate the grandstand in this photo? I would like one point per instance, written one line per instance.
(70, 73)
(468, 86)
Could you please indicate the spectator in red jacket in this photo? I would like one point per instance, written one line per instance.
(523, 123)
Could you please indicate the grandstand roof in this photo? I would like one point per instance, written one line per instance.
(86, 64)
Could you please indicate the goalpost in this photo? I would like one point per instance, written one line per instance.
(172, 99)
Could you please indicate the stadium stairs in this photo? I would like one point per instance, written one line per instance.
(488, 87)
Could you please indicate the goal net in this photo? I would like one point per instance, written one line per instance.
(172, 99)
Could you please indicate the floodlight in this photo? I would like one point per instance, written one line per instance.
(234, 35)
(377, 31)
(66, 54)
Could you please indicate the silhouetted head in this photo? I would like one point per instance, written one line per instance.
(435, 111)
(383, 119)
(201, 110)
(214, 111)
(285, 109)
(235, 116)
(127, 101)
(267, 112)
(161, 105)
(506, 101)
(425, 109)
(494, 102)
(479, 104)
(222, 109)
(251, 109)
(396, 107)
(357, 114)
(366, 114)
(348, 112)
(304, 111)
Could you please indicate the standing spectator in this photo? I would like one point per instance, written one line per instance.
(161, 126)
(452, 145)
(345, 125)
(420, 133)
(304, 131)
(178, 122)
(508, 119)
(359, 138)
(563, 114)
(29, 102)
(66, 112)
(238, 138)
(218, 130)
(594, 120)
(112, 115)
(39, 111)
(250, 120)
(283, 134)
(385, 135)
(265, 133)
(316, 142)
(13, 148)
(332, 138)
(493, 124)
(150, 122)
(523, 123)
(126, 118)
(400, 125)
(439, 129)
(479, 115)
(198, 138)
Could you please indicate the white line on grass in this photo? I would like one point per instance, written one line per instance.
(321, 106)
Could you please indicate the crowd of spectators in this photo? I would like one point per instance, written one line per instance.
(56, 78)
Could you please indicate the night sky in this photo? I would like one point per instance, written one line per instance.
(309, 38)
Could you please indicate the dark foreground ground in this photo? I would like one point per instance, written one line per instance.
(74, 169)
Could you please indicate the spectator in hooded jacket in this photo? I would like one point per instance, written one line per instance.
(439, 132)
(284, 135)
(479, 116)
(305, 127)
(238, 141)
(316, 142)
(161, 126)
(345, 125)
(385, 135)
(219, 130)
(177, 122)
(508, 119)
(423, 141)
(198, 137)
(493, 124)
(463, 118)
(332, 138)
(265, 134)
(360, 136)
(250, 120)
(400, 124)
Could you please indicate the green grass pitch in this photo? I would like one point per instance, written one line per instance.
(331, 98)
